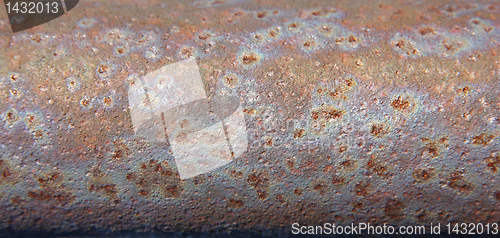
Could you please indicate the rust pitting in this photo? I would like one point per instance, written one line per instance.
(457, 182)
(374, 166)
(400, 104)
(260, 182)
(424, 174)
(288, 59)
(493, 162)
(8, 174)
(156, 177)
(52, 189)
(328, 113)
(379, 129)
(395, 209)
(482, 139)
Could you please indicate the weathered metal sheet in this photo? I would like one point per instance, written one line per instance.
(355, 111)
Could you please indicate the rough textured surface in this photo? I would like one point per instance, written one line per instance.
(357, 111)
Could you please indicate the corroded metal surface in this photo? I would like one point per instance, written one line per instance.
(357, 111)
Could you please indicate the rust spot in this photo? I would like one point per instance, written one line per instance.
(352, 39)
(11, 117)
(280, 198)
(357, 207)
(422, 216)
(108, 101)
(298, 192)
(233, 203)
(109, 188)
(394, 209)
(54, 177)
(328, 113)
(38, 134)
(187, 52)
(156, 178)
(217, 2)
(456, 181)
(377, 168)
(236, 174)
(85, 102)
(493, 162)
(320, 91)
(423, 174)
(334, 94)
(17, 200)
(464, 90)
(497, 195)
(426, 30)
(320, 188)
(261, 14)
(14, 77)
(293, 26)
(400, 44)
(318, 13)
(14, 92)
(250, 59)
(269, 142)
(326, 28)
(231, 80)
(299, 133)
(430, 149)
(488, 29)
(7, 173)
(60, 197)
(30, 119)
(400, 104)
(97, 173)
(346, 163)
(260, 182)
(289, 163)
(361, 188)
(482, 139)
(200, 180)
(349, 82)
(448, 46)
(308, 43)
(249, 111)
(173, 190)
(120, 51)
(122, 151)
(182, 137)
(184, 123)
(476, 21)
(102, 69)
(273, 33)
(100, 184)
(378, 129)
(204, 36)
(117, 154)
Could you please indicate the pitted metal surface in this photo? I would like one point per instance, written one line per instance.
(356, 111)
